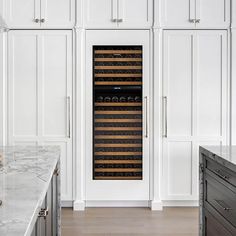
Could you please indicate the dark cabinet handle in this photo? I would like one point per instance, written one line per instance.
(223, 205)
(43, 213)
(222, 175)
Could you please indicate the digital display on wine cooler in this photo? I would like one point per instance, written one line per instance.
(117, 118)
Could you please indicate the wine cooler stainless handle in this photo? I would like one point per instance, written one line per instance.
(146, 116)
(165, 128)
(68, 116)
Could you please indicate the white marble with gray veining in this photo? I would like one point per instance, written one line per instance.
(25, 174)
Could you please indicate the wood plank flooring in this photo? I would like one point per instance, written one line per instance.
(130, 222)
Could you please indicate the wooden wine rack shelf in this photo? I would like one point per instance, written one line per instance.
(118, 116)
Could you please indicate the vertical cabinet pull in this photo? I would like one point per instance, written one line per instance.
(68, 116)
(165, 117)
(146, 116)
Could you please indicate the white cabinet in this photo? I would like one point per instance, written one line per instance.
(233, 88)
(117, 13)
(195, 96)
(117, 190)
(39, 13)
(39, 94)
(195, 13)
(2, 84)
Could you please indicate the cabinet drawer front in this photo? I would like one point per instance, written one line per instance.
(221, 198)
(213, 227)
(221, 171)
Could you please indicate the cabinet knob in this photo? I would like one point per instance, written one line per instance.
(192, 20)
(42, 20)
(36, 20)
(120, 20)
(114, 20)
(197, 20)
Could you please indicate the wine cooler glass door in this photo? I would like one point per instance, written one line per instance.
(117, 161)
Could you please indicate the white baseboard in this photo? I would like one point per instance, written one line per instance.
(79, 205)
(156, 205)
(187, 203)
(117, 204)
(66, 203)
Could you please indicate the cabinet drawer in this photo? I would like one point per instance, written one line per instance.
(213, 227)
(221, 198)
(221, 171)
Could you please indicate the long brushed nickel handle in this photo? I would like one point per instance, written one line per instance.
(68, 117)
(165, 128)
(146, 116)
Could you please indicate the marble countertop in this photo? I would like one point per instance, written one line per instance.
(225, 155)
(25, 174)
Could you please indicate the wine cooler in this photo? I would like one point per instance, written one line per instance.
(117, 112)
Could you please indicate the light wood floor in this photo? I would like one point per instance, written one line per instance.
(130, 221)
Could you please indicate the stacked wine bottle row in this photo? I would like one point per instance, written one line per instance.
(117, 113)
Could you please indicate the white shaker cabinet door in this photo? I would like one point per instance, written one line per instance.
(194, 103)
(40, 94)
(135, 13)
(212, 13)
(57, 14)
(177, 13)
(22, 14)
(177, 115)
(100, 14)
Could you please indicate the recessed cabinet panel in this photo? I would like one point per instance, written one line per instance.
(57, 13)
(56, 74)
(23, 79)
(102, 13)
(135, 13)
(213, 13)
(177, 13)
(178, 80)
(211, 75)
(179, 168)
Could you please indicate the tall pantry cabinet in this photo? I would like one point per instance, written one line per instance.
(39, 94)
(38, 97)
(194, 90)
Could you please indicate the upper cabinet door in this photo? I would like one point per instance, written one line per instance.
(100, 14)
(22, 14)
(177, 13)
(57, 13)
(212, 13)
(35, 14)
(118, 13)
(135, 13)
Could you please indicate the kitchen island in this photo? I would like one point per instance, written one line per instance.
(218, 191)
(29, 191)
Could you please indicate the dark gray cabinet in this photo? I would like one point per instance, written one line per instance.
(217, 196)
(48, 218)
